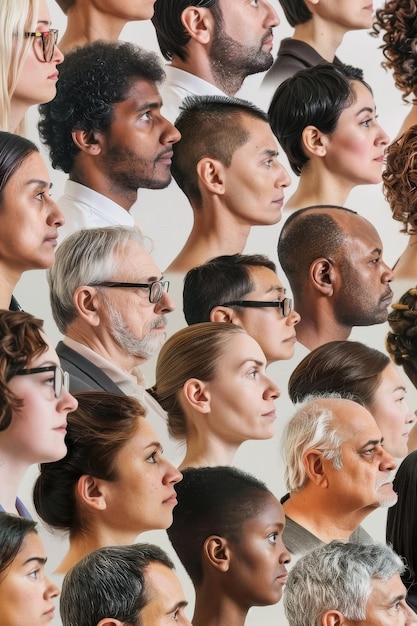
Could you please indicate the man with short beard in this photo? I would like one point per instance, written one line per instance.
(105, 129)
(212, 46)
(110, 301)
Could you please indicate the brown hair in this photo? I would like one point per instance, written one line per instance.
(400, 179)
(349, 368)
(401, 342)
(21, 341)
(193, 352)
(97, 430)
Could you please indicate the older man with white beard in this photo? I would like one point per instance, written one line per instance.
(110, 301)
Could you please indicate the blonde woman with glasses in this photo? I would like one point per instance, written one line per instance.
(29, 59)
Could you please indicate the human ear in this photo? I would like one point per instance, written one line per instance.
(87, 304)
(333, 618)
(322, 276)
(196, 394)
(90, 492)
(210, 173)
(313, 142)
(224, 314)
(87, 141)
(313, 465)
(110, 621)
(217, 552)
(199, 23)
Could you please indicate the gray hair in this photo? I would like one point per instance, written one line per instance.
(109, 582)
(336, 576)
(312, 426)
(85, 257)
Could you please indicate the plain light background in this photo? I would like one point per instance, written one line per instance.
(165, 216)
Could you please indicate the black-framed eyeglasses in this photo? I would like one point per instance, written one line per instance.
(156, 288)
(61, 378)
(285, 304)
(49, 40)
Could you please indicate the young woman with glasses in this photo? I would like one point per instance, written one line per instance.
(34, 403)
(211, 381)
(29, 58)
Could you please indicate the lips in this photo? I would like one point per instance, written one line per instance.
(172, 499)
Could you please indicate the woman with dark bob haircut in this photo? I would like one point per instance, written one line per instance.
(113, 484)
(34, 403)
(25, 591)
(321, 117)
(29, 218)
(366, 376)
(402, 523)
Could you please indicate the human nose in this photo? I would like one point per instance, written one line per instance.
(165, 305)
(284, 556)
(410, 416)
(67, 402)
(170, 134)
(272, 391)
(283, 178)
(172, 474)
(387, 462)
(51, 589)
(55, 215)
(271, 19)
(58, 56)
(409, 615)
(382, 138)
(293, 318)
(387, 273)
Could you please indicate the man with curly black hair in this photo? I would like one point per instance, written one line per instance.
(105, 129)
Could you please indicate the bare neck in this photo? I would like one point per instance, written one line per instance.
(322, 35)
(213, 608)
(85, 23)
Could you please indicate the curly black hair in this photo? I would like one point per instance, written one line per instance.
(92, 79)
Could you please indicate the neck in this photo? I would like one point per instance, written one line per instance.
(213, 608)
(12, 471)
(204, 449)
(198, 63)
(406, 266)
(87, 172)
(318, 186)
(105, 347)
(318, 324)
(323, 517)
(18, 109)
(95, 537)
(215, 232)
(85, 23)
(8, 281)
(324, 36)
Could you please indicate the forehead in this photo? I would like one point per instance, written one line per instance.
(355, 423)
(163, 588)
(384, 592)
(260, 132)
(360, 233)
(134, 260)
(264, 279)
(141, 94)
(33, 167)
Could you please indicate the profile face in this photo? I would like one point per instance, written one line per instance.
(142, 496)
(167, 600)
(242, 397)
(37, 431)
(254, 182)
(347, 14)
(25, 591)
(355, 150)
(391, 412)
(29, 218)
(37, 80)
(365, 479)
(258, 558)
(136, 150)
(275, 333)
(386, 604)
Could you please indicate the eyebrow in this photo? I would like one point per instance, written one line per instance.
(251, 360)
(38, 559)
(372, 442)
(154, 444)
(38, 181)
(179, 605)
(45, 22)
(269, 152)
(366, 110)
(148, 105)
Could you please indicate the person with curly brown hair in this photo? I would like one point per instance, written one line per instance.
(400, 189)
(397, 20)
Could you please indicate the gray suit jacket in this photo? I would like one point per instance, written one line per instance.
(84, 375)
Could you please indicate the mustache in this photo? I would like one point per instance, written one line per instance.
(384, 481)
(160, 321)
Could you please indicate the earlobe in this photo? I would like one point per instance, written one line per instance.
(197, 21)
(333, 618)
(322, 276)
(217, 552)
(313, 143)
(90, 492)
(87, 141)
(196, 394)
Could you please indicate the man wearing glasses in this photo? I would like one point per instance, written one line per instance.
(110, 302)
(243, 290)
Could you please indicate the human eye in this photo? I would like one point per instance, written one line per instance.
(369, 453)
(254, 3)
(253, 373)
(35, 574)
(146, 116)
(272, 538)
(366, 123)
(153, 457)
